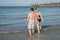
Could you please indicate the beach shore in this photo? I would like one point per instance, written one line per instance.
(51, 33)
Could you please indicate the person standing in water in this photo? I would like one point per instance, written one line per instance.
(39, 19)
(31, 21)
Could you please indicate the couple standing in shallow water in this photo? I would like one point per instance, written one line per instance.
(34, 17)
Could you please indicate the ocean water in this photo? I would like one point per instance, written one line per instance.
(14, 18)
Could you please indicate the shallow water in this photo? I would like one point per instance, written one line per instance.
(46, 34)
(14, 18)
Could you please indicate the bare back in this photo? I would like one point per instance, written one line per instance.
(38, 14)
(31, 16)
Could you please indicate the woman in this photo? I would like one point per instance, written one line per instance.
(39, 19)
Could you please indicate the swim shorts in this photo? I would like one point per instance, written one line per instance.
(31, 24)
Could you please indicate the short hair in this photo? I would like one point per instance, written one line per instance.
(32, 9)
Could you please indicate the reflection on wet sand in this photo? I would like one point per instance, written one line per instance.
(35, 37)
(31, 38)
(38, 37)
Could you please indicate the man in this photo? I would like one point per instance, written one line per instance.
(39, 19)
(31, 20)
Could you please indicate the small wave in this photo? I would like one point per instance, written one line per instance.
(51, 15)
(21, 18)
(25, 31)
(51, 27)
(46, 26)
(8, 32)
(12, 32)
(5, 24)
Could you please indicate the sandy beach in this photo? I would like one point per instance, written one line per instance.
(51, 33)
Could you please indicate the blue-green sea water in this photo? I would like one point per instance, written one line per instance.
(14, 18)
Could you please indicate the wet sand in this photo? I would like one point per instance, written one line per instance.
(51, 33)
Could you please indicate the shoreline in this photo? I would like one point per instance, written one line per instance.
(46, 34)
(44, 28)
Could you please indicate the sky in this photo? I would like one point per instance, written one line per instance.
(24, 2)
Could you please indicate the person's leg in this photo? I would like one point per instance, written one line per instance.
(30, 32)
(38, 28)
